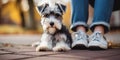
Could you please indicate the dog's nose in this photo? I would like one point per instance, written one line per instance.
(51, 23)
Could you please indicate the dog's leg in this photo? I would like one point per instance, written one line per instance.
(45, 43)
(61, 44)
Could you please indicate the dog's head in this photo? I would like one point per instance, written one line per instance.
(51, 13)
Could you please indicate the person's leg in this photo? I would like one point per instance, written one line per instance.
(79, 15)
(100, 25)
(79, 23)
(102, 14)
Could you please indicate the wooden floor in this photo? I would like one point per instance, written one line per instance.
(29, 53)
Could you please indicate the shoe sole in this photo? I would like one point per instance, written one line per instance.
(96, 48)
(79, 47)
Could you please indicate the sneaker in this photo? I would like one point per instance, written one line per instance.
(80, 40)
(97, 41)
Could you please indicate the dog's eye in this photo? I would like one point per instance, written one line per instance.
(46, 15)
(57, 15)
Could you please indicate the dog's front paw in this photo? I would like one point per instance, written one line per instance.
(61, 48)
(42, 48)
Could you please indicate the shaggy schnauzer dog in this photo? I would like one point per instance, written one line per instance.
(56, 36)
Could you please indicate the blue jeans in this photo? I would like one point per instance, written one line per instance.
(102, 14)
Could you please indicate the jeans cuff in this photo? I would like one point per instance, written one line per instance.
(104, 24)
(74, 25)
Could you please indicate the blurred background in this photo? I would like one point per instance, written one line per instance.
(21, 17)
(18, 17)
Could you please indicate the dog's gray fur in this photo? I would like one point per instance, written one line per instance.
(56, 36)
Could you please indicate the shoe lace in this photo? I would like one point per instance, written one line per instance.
(80, 35)
(96, 37)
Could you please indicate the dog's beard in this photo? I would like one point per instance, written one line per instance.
(51, 30)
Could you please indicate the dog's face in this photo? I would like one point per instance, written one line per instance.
(51, 20)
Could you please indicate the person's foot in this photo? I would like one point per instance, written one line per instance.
(97, 41)
(80, 40)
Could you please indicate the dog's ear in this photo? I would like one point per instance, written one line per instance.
(42, 8)
(61, 7)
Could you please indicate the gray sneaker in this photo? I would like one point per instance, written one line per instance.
(80, 40)
(97, 41)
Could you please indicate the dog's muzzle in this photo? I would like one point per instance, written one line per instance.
(51, 24)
